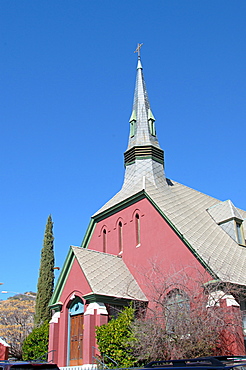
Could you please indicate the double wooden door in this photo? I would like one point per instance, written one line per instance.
(76, 339)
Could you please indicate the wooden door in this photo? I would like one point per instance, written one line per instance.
(76, 340)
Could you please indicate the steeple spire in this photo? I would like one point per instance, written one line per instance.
(143, 143)
(142, 121)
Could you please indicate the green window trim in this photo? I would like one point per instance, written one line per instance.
(132, 127)
(152, 127)
(133, 121)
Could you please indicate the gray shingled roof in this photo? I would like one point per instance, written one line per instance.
(190, 211)
(108, 275)
(187, 209)
(224, 211)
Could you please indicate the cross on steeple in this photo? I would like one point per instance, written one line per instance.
(138, 49)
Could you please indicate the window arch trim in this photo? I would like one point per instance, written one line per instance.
(137, 228)
(120, 236)
(104, 234)
(77, 306)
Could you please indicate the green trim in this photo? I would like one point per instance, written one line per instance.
(88, 234)
(150, 115)
(145, 157)
(151, 120)
(139, 196)
(143, 152)
(54, 302)
(133, 121)
(62, 279)
(57, 307)
(93, 297)
(132, 128)
(212, 282)
(152, 127)
(120, 206)
(109, 212)
(181, 236)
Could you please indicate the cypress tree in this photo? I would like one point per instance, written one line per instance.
(46, 276)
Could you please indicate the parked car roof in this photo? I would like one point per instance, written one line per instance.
(217, 362)
(30, 365)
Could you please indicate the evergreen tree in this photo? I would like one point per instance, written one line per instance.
(46, 276)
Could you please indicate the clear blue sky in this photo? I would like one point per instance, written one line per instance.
(67, 76)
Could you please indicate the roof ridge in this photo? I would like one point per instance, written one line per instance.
(94, 251)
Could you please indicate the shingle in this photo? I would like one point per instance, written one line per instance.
(190, 212)
(224, 211)
(107, 274)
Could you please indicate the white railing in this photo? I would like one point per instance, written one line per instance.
(79, 367)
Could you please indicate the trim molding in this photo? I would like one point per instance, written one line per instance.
(54, 302)
(93, 297)
(62, 279)
(134, 199)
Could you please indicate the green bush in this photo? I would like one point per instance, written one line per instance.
(115, 340)
(36, 344)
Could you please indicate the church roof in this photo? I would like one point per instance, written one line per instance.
(187, 210)
(224, 211)
(207, 226)
(195, 216)
(108, 275)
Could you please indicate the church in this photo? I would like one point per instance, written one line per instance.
(151, 220)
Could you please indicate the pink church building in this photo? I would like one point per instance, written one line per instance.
(151, 220)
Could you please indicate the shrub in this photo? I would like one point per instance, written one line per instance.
(115, 340)
(36, 344)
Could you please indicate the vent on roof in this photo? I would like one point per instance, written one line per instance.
(144, 152)
(226, 215)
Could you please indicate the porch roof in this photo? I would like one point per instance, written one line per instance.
(108, 275)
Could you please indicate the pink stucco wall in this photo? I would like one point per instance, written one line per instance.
(75, 285)
(159, 243)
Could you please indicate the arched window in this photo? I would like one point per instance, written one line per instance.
(177, 311)
(137, 229)
(104, 240)
(120, 236)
